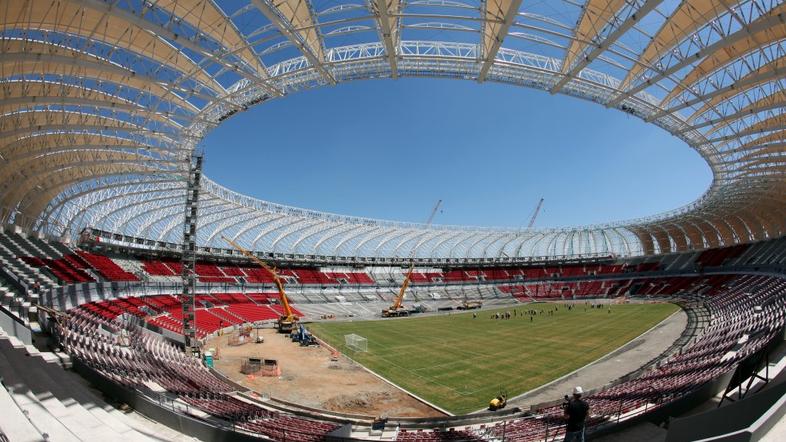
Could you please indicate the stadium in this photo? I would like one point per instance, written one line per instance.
(142, 300)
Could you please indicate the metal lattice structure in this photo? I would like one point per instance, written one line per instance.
(104, 100)
(188, 258)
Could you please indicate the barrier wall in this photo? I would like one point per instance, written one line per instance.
(14, 327)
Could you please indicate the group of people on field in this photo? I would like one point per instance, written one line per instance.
(533, 312)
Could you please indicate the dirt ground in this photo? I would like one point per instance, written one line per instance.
(310, 378)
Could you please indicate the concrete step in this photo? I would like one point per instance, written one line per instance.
(14, 423)
(30, 373)
(36, 411)
(73, 391)
(65, 359)
(68, 402)
(46, 356)
(13, 340)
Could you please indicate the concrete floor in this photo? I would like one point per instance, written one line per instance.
(777, 433)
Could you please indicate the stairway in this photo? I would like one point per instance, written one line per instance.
(10, 252)
(44, 247)
(15, 302)
(40, 397)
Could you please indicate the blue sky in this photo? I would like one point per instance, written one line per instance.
(391, 148)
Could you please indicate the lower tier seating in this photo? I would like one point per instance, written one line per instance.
(745, 313)
(142, 360)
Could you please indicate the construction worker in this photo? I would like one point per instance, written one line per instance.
(575, 411)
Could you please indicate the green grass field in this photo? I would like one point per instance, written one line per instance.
(460, 363)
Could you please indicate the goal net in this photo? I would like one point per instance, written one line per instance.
(356, 342)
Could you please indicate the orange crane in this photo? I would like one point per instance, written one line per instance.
(397, 309)
(287, 321)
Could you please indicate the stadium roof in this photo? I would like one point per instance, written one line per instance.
(103, 102)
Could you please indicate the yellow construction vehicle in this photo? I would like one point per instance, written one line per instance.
(470, 305)
(499, 402)
(397, 309)
(287, 321)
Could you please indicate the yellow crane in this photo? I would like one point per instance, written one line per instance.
(287, 321)
(397, 309)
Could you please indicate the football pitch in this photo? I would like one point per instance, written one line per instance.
(459, 363)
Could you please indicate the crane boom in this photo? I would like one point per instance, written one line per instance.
(535, 214)
(431, 217)
(400, 297)
(288, 316)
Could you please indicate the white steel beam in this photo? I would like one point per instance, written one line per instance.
(765, 22)
(611, 38)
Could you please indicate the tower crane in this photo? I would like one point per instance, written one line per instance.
(287, 321)
(535, 214)
(397, 309)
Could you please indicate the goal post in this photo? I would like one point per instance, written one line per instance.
(356, 342)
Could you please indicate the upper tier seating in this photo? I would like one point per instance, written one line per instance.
(225, 273)
(232, 274)
(513, 273)
(716, 257)
(157, 268)
(106, 267)
(212, 313)
(707, 285)
(353, 278)
(67, 269)
(63, 265)
(15, 247)
(69, 266)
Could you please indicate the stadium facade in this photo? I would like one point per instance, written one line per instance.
(104, 102)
